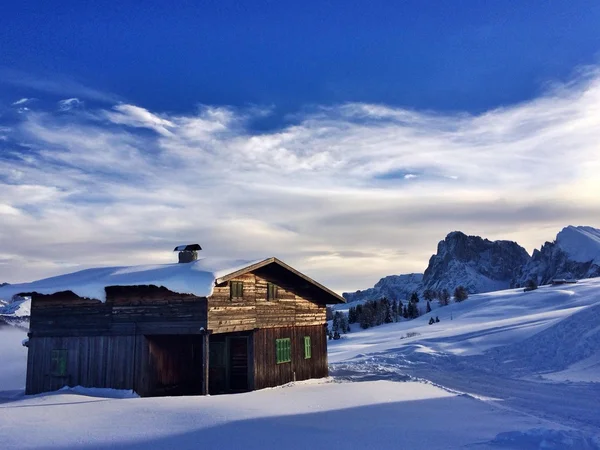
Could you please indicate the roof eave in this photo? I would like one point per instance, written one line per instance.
(338, 298)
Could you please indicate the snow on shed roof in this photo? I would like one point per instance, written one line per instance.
(197, 278)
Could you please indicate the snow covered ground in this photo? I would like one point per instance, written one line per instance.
(510, 370)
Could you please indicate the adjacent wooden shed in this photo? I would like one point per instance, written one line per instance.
(179, 329)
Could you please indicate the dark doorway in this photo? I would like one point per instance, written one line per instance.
(228, 364)
(175, 363)
(238, 364)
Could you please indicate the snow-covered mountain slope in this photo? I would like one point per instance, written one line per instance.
(477, 264)
(581, 244)
(537, 352)
(574, 254)
(393, 287)
(16, 312)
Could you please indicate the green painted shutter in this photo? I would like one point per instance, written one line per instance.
(307, 347)
(283, 349)
(59, 362)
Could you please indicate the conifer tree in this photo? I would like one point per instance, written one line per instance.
(428, 309)
(444, 297)
(460, 294)
(389, 315)
(414, 297)
(395, 310)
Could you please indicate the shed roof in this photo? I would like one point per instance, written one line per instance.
(197, 278)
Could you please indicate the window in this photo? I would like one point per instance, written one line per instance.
(236, 289)
(307, 349)
(284, 350)
(271, 291)
(59, 363)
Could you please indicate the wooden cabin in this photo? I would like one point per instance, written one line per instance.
(259, 325)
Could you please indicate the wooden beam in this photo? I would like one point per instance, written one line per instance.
(205, 361)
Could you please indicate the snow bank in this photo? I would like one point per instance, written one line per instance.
(98, 392)
(13, 358)
(197, 278)
(582, 244)
(370, 415)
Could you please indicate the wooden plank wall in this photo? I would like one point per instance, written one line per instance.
(268, 373)
(105, 342)
(92, 361)
(255, 311)
(114, 319)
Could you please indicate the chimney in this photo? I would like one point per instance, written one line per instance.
(188, 253)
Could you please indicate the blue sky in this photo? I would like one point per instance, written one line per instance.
(440, 55)
(334, 134)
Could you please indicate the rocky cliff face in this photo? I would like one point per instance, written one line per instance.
(393, 287)
(575, 254)
(481, 265)
(477, 264)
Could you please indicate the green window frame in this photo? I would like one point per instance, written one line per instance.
(236, 289)
(307, 348)
(283, 349)
(272, 291)
(59, 363)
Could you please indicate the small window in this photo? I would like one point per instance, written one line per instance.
(271, 291)
(284, 350)
(236, 289)
(59, 363)
(307, 348)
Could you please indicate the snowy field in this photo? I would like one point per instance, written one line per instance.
(510, 370)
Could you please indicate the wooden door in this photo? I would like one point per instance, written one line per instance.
(238, 363)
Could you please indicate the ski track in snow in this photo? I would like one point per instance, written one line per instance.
(511, 349)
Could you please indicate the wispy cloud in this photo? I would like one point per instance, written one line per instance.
(348, 193)
(69, 103)
(21, 101)
(55, 84)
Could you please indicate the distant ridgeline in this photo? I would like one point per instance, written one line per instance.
(481, 265)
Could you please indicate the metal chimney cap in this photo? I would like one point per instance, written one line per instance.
(187, 248)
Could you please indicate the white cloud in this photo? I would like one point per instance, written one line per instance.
(69, 103)
(317, 193)
(21, 101)
(134, 116)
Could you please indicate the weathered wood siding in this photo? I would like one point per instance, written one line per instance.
(268, 373)
(92, 361)
(255, 311)
(121, 344)
(151, 316)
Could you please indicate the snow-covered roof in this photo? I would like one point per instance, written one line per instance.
(197, 278)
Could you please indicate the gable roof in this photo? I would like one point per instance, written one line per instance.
(197, 278)
(265, 267)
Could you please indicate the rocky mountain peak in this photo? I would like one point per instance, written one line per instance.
(574, 254)
(478, 264)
